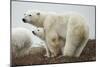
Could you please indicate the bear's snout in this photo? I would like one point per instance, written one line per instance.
(33, 32)
(23, 20)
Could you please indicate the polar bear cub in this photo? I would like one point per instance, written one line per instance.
(70, 27)
(39, 32)
(21, 41)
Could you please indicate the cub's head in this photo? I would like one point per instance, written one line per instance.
(39, 32)
(34, 17)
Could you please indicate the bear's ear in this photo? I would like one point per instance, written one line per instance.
(38, 13)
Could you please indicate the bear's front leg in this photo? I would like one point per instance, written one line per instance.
(47, 51)
(53, 43)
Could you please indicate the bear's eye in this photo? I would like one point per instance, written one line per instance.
(30, 15)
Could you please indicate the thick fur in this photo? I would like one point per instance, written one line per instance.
(70, 27)
(40, 33)
(22, 44)
(21, 41)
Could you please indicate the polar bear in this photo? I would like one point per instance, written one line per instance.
(39, 32)
(22, 43)
(71, 27)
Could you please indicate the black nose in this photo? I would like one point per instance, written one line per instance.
(33, 32)
(23, 20)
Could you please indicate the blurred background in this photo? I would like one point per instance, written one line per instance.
(19, 8)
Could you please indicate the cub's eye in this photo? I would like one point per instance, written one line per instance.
(30, 15)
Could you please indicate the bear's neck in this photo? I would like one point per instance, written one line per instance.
(41, 21)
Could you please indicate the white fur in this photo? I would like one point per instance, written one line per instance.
(40, 33)
(70, 27)
(21, 41)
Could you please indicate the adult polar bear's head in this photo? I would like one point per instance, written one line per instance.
(35, 18)
(39, 32)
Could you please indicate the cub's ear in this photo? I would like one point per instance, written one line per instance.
(38, 13)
